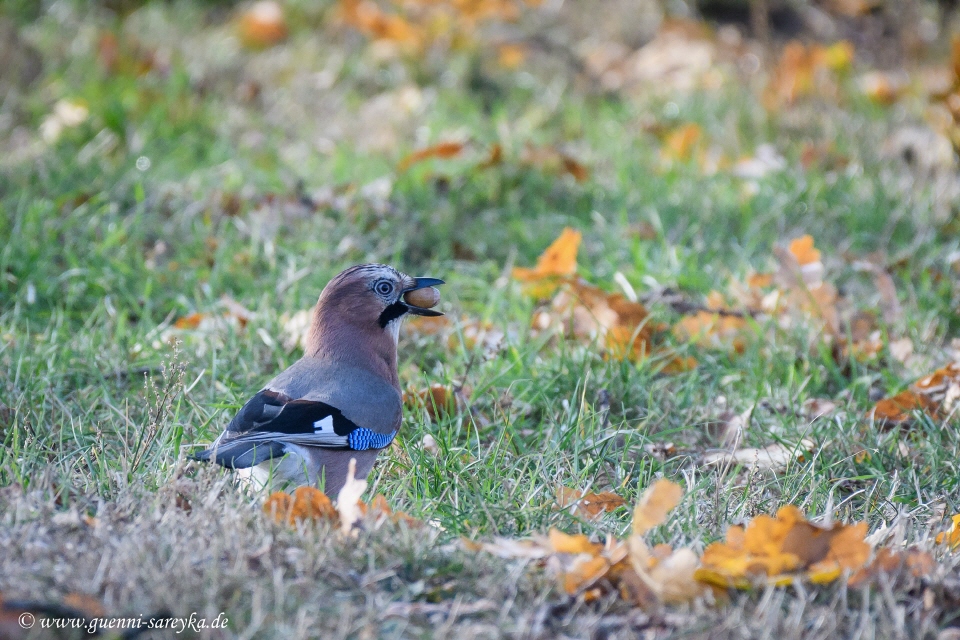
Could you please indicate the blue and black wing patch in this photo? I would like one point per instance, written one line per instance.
(270, 421)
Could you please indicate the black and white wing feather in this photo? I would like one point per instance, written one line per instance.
(271, 421)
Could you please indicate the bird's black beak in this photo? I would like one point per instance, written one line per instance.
(422, 283)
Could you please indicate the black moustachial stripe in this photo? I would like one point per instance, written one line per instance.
(392, 312)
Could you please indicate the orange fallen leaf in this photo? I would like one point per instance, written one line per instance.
(803, 250)
(583, 573)
(494, 157)
(882, 87)
(191, 321)
(369, 19)
(427, 325)
(561, 542)
(441, 150)
(306, 504)
(935, 395)
(511, 56)
(899, 409)
(585, 312)
(715, 330)
(263, 25)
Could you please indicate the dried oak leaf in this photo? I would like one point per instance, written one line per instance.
(588, 505)
(935, 395)
(778, 550)
(666, 574)
(894, 564)
(587, 313)
(654, 505)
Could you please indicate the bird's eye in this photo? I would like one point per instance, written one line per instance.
(384, 288)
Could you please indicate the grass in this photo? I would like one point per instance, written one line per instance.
(263, 199)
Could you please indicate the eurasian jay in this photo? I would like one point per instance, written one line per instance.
(341, 400)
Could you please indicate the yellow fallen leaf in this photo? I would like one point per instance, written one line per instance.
(952, 537)
(778, 550)
(562, 542)
(654, 505)
(558, 261)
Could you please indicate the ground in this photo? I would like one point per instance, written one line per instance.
(174, 190)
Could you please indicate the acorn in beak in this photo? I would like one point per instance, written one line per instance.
(421, 296)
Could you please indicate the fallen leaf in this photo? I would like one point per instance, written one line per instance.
(807, 70)
(306, 504)
(715, 330)
(883, 87)
(348, 500)
(552, 161)
(561, 542)
(666, 574)
(511, 56)
(892, 564)
(86, 603)
(509, 548)
(441, 150)
(439, 401)
(369, 19)
(584, 312)
(295, 329)
(582, 573)
(778, 550)
(558, 261)
(263, 25)
(773, 457)
(680, 144)
(641, 575)
(588, 505)
(901, 408)
(803, 251)
(656, 502)
(951, 537)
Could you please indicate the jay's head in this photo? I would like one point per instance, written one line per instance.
(371, 298)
